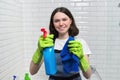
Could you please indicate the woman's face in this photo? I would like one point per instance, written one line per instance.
(61, 23)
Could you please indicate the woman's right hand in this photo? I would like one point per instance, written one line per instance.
(45, 42)
(42, 43)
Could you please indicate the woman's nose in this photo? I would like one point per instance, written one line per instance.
(61, 23)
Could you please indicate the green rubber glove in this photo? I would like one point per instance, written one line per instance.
(42, 43)
(37, 57)
(75, 47)
(45, 42)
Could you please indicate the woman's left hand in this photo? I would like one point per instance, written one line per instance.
(75, 47)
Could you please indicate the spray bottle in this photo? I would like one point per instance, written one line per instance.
(49, 57)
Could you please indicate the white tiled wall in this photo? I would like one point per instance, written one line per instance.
(11, 39)
(20, 23)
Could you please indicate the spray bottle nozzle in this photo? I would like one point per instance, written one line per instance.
(44, 32)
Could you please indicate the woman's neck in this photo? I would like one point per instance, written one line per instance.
(63, 36)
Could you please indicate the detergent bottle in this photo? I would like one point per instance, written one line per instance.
(26, 76)
(49, 57)
(14, 77)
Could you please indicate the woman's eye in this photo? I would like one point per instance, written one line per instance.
(56, 20)
(65, 19)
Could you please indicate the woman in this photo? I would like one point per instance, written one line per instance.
(62, 27)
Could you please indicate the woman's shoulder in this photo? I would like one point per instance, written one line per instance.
(84, 44)
(82, 40)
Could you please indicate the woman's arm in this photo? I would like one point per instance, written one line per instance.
(88, 73)
(35, 67)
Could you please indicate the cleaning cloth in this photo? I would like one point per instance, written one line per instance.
(70, 61)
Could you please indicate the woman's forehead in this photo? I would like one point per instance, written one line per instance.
(60, 15)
